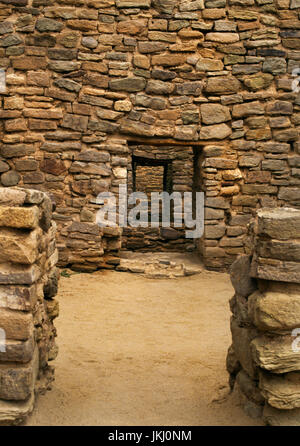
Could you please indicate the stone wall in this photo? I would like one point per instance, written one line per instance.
(28, 284)
(85, 77)
(149, 179)
(264, 359)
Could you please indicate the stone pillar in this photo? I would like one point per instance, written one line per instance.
(264, 358)
(28, 284)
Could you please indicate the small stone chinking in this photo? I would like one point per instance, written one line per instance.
(264, 358)
(28, 285)
(85, 77)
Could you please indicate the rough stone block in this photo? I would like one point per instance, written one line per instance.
(240, 277)
(17, 381)
(275, 354)
(17, 325)
(18, 351)
(19, 217)
(18, 274)
(14, 412)
(272, 269)
(18, 297)
(17, 246)
(277, 417)
(242, 337)
(281, 391)
(275, 311)
(279, 223)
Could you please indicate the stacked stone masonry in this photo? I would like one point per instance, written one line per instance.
(84, 78)
(264, 358)
(28, 284)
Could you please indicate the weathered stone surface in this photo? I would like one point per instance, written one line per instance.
(17, 383)
(248, 109)
(17, 325)
(14, 412)
(18, 217)
(258, 81)
(279, 249)
(218, 131)
(18, 297)
(75, 122)
(273, 269)
(206, 64)
(223, 37)
(18, 247)
(164, 6)
(18, 351)
(131, 84)
(44, 24)
(214, 113)
(242, 338)
(10, 178)
(240, 277)
(159, 87)
(271, 222)
(136, 128)
(12, 197)
(223, 85)
(6, 27)
(281, 392)
(133, 3)
(277, 417)
(18, 274)
(215, 231)
(275, 311)
(151, 47)
(249, 388)
(275, 354)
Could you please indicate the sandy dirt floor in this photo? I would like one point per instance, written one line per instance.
(137, 351)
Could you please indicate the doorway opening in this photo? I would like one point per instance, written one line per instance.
(161, 168)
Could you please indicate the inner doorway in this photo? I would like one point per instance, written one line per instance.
(160, 168)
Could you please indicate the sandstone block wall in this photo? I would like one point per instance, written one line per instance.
(28, 284)
(85, 77)
(264, 359)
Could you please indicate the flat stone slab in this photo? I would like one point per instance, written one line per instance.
(277, 270)
(14, 412)
(159, 265)
(279, 223)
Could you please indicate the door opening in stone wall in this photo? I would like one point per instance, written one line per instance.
(150, 175)
(158, 168)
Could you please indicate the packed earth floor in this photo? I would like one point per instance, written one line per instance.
(139, 351)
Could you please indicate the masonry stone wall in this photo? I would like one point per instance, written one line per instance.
(28, 284)
(264, 358)
(149, 179)
(87, 77)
